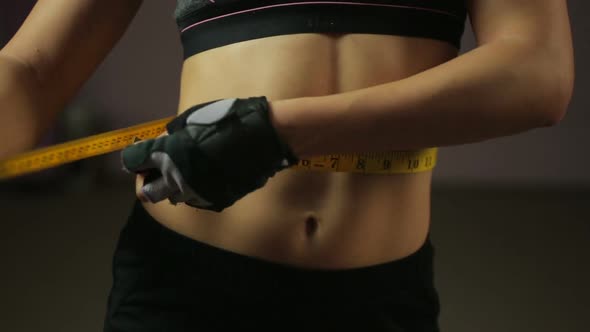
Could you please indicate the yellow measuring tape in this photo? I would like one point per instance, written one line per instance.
(56, 155)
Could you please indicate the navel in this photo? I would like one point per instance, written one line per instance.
(311, 226)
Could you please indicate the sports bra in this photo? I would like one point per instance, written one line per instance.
(207, 24)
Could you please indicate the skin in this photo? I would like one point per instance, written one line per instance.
(361, 219)
(332, 220)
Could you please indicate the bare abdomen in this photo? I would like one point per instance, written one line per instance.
(312, 219)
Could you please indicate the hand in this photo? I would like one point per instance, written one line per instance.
(215, 154)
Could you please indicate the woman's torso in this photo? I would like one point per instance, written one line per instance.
(311, 219)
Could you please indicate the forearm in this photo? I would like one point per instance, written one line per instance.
(499, 89)
(20, 105)
(54, 52)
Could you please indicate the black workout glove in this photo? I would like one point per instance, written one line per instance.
(215, 154)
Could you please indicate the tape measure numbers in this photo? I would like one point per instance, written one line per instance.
(373, 163)
(56, 155)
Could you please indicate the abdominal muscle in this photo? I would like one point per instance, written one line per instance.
(305, 218)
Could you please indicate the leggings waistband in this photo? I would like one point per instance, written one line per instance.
(144, 235)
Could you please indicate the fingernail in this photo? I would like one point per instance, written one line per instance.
(143, 198)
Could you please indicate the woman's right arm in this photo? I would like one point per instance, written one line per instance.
(54, 52)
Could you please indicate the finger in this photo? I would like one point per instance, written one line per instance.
(136, 157)
(139, 181)
(158, 190)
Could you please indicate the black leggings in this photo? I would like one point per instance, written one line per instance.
(164, 281)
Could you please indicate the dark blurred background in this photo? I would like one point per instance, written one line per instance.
(511, 216)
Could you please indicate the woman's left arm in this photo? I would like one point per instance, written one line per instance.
(520, 77)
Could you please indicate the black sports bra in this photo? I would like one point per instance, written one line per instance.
(207, 24)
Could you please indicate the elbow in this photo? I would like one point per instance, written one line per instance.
(557, 103)
(553, 94)
(545, 74)
(556, 77)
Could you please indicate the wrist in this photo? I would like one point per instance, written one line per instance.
(281, 113)
(310, 125)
